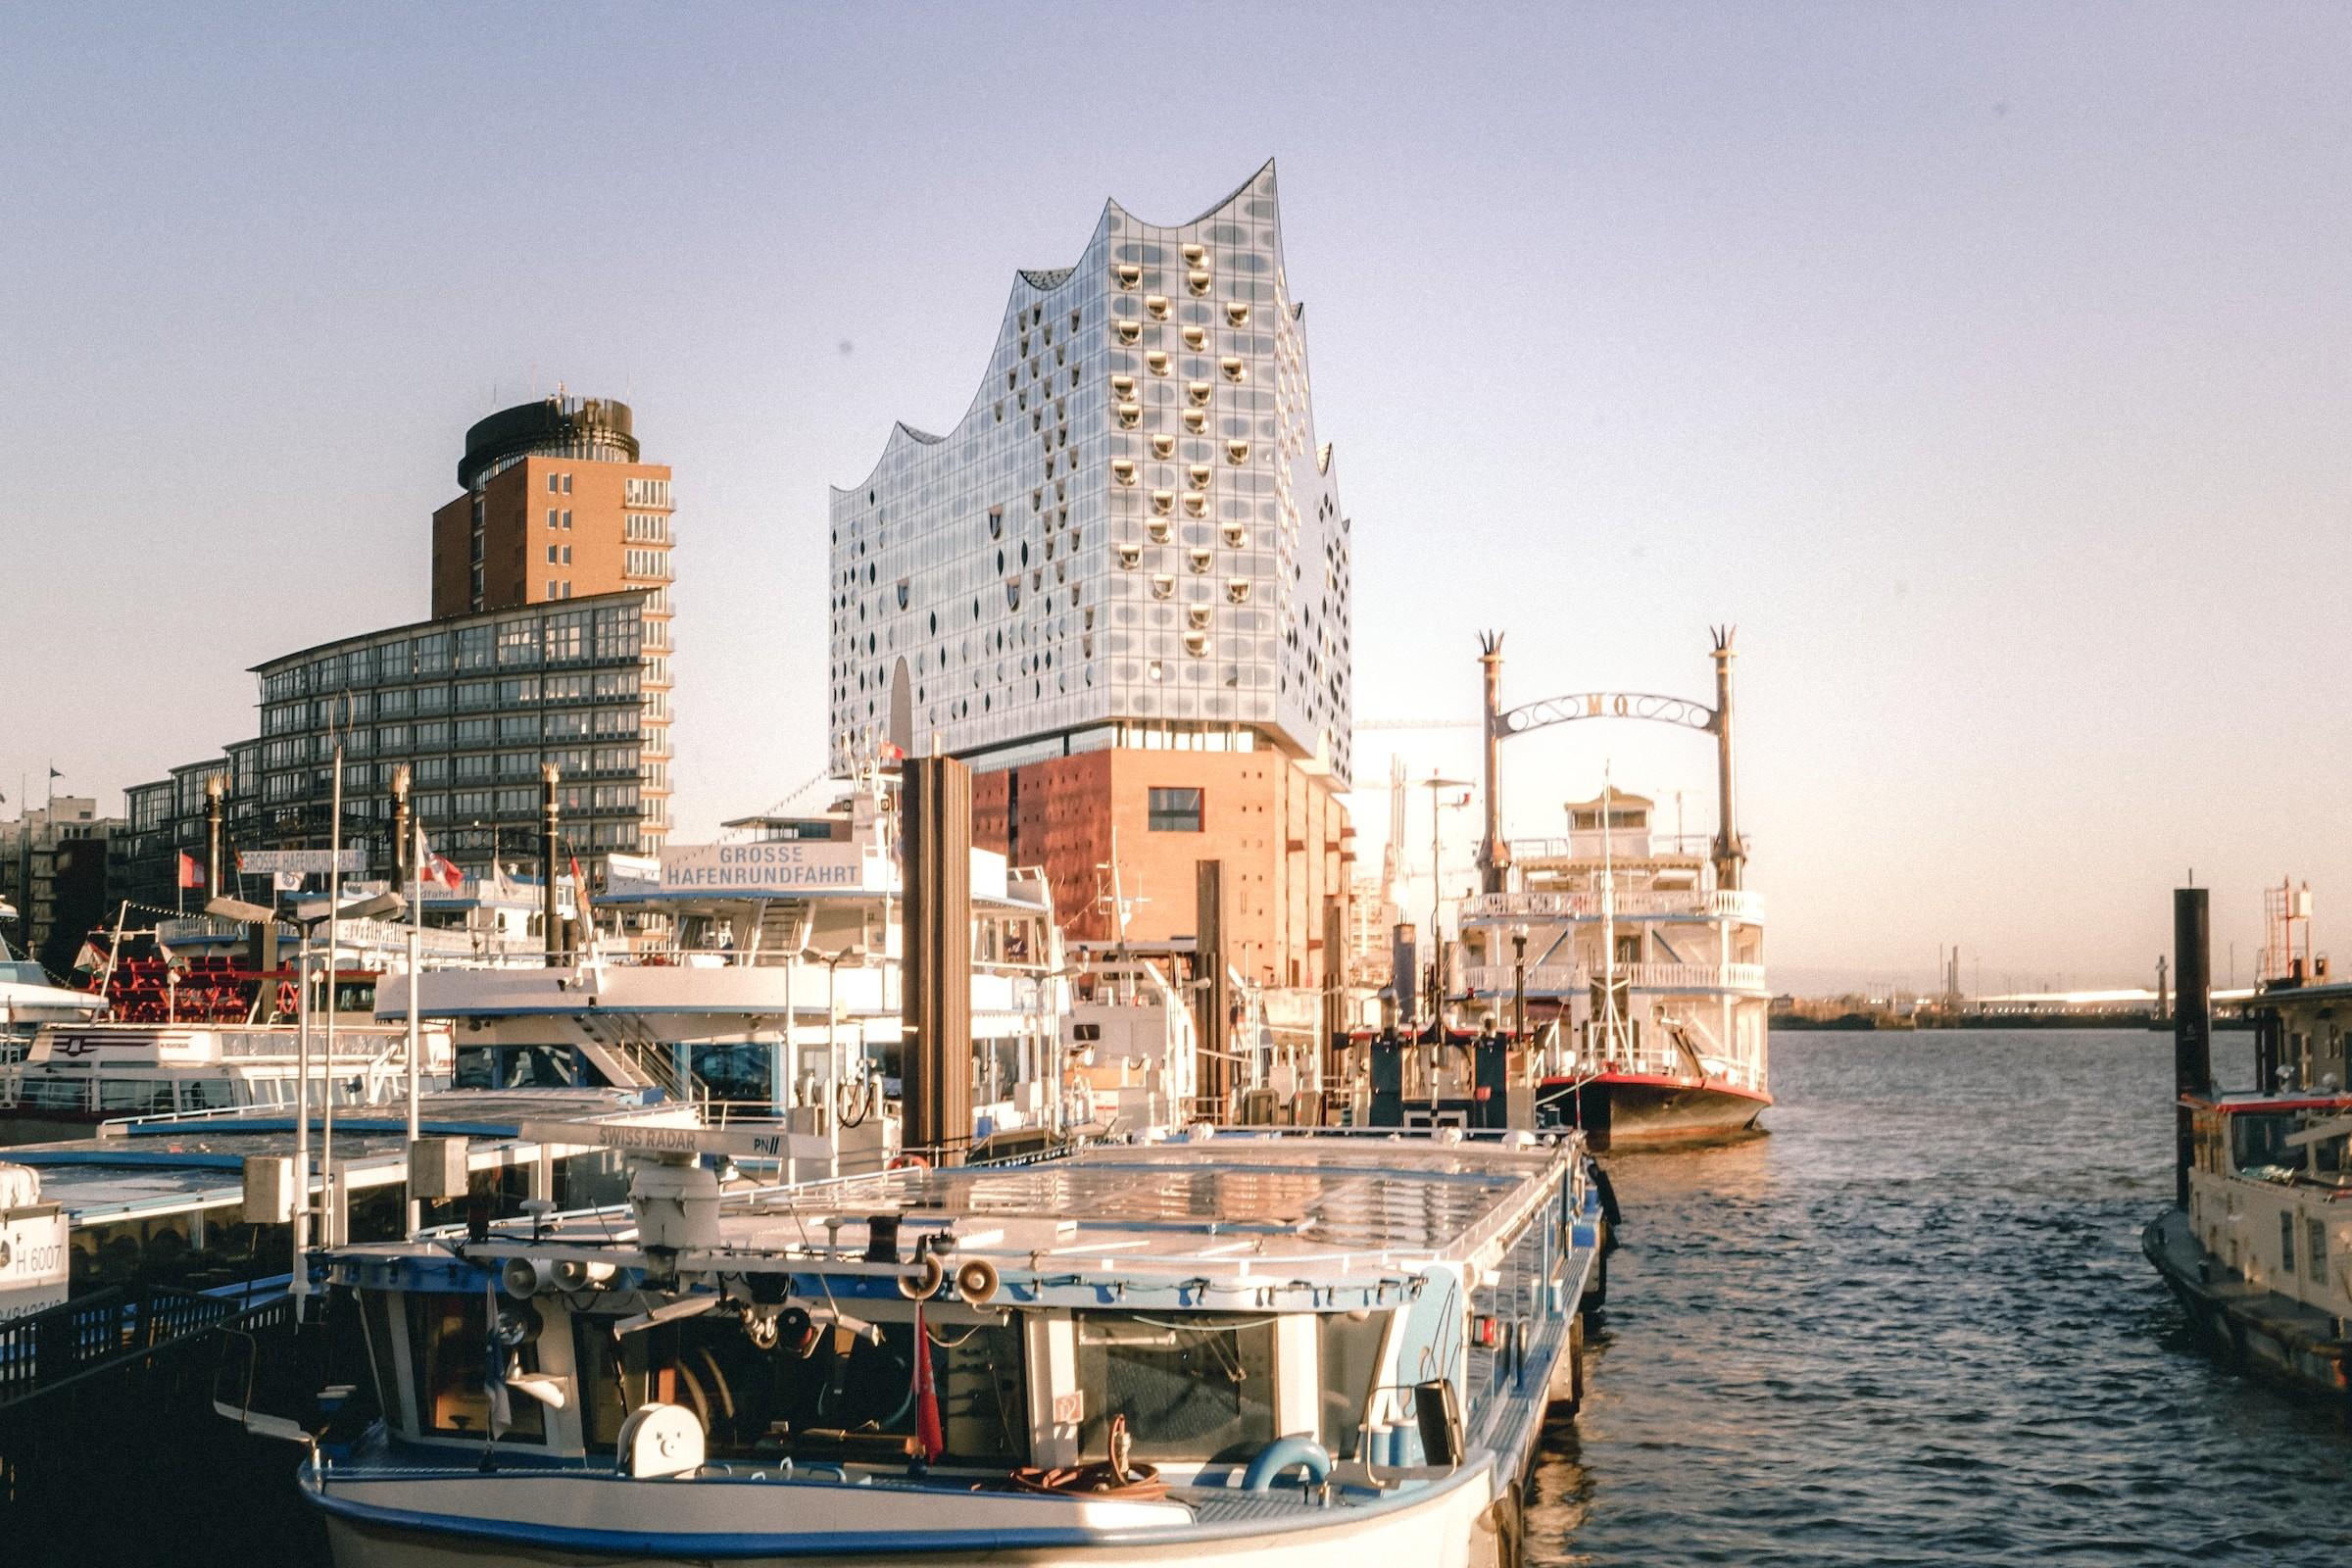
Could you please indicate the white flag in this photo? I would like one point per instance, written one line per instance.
(286, 881)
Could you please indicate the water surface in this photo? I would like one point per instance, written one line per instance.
(1912, 1325)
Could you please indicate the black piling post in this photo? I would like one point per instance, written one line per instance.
(2193, 1025)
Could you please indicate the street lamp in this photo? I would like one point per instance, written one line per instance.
(1518, 983)
(258, 914)
(833, 963)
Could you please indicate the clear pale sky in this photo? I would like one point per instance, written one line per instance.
(1990, 366)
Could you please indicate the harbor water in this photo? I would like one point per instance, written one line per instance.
(1913, 1326)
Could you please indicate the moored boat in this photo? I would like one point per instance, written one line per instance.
(1639, 975)
(2257, 1243)
(1240, 1347)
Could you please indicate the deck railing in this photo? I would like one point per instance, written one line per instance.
(1496, 979)
(1728, 905)
(61, 1344)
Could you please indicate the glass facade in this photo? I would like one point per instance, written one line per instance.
(1132, 521)
(474, 705)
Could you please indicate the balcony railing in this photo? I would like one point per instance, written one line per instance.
(1567, 979)
(1625, 843)
(1632, 906)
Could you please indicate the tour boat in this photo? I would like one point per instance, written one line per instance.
(763, 975)
(1231, 1347)
(1641, 976)
(29, 999)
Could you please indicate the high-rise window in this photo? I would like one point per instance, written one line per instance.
(1174, 811)
(552, 515)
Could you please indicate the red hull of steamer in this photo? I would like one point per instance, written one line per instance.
(1651, 1111)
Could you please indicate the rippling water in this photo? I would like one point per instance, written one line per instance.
(1912, 1325)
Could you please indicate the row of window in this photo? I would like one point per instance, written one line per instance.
(609, 631)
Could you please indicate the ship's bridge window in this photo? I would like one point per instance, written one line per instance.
(847, 1398)
(1195, 1388)
(448, 1337)
(2259, 1145)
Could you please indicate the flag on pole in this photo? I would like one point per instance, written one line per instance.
(579, 896)
(286, 881)
(444, 870)
(89, 958)
(191, 874)
(926, 1395)
(494, 1366)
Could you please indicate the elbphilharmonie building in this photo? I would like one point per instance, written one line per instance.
(1130, 547)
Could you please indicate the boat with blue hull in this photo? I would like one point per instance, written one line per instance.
(1228, 1346)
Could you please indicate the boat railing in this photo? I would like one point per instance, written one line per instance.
(696, 958)
(45, 1351)
(1496, 980)
(1585, 904)
(1626, 843)
(1647, 1060)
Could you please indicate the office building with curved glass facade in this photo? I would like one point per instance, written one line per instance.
(550, 642)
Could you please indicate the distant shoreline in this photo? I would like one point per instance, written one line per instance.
(1869, 1023)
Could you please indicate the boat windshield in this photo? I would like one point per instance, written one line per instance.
(1198, 1387)
(847, 1398)
(2259, 1147)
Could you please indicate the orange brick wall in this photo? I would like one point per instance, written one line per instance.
(1281, 831)
(514, 535)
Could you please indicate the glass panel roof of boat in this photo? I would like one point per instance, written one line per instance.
(171, 1163)
(1235, 1199)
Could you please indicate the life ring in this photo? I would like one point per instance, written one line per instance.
(909, 1162)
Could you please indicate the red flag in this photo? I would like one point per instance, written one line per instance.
(444, 870)
(926, 1395)
(191, 875)
(579, 896)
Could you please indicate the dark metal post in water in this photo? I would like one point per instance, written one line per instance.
(935, 1094)
(2193, 1025)
(1213, 1009)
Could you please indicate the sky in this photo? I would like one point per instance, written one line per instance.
(1988, 365)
